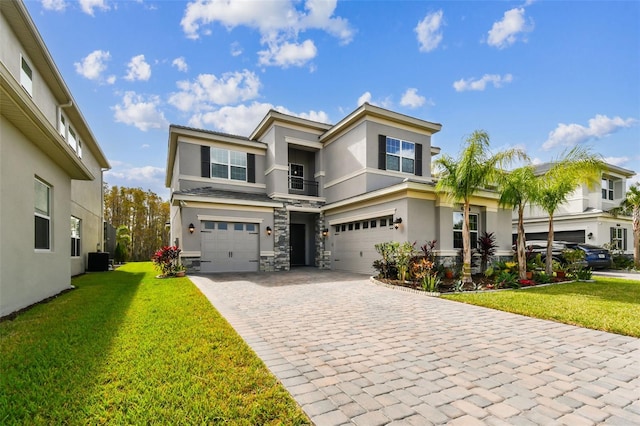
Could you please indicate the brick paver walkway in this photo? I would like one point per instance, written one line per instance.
(351, 352)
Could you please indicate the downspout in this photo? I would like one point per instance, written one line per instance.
(59, 113)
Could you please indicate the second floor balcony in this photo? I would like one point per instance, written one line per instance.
(300, 186)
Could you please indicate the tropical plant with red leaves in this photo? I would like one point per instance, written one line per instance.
(167, 260)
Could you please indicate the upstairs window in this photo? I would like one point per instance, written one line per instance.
(26, 75)
(75, 237)
(296, 176)
(72, 140)
(226, 164)
(607, 189)
(42, 215)
(401, 155)
(458, 219)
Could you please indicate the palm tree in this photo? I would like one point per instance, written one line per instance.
(574, 168)
(472, 171)
(631, 206)
(519, 188)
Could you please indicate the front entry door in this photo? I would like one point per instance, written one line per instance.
(297, 244)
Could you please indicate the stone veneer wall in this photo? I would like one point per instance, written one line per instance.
(281, 234)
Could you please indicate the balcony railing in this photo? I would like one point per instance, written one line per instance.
(303, 187)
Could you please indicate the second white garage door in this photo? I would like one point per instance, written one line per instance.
(354, 244)
(229, 247)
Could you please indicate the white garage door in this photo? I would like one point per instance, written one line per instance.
(229, 247)
(354, 244)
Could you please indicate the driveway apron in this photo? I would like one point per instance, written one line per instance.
(352, 352)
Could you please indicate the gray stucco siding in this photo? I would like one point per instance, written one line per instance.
(420, 221)
(347, 154)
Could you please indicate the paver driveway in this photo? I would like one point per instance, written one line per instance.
(352, 352)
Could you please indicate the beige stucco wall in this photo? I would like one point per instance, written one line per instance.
(27, 276)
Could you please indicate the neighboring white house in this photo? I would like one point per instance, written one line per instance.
(50, 171)
(584, 218)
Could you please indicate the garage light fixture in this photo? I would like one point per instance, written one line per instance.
(191, 228)
(397, 222)
(325, 232)
(268, 230)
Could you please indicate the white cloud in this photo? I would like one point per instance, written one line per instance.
(208, 90)
(93, 65)
(236, 49)
(139, 69)
(481, 84)
(428, 31)
(89, 5)
(243, 119)
(411, 99)
(127, 172)
(142, 113)
(57, 5)
(365, 97)
(505, 32)
(288, 54)
(616, 161)
(279, 24)
(181, 64)
(573, 134)
(111, 79)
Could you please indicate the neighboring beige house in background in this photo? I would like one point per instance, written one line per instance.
(50, 171)
(584, 218)
(302, 193)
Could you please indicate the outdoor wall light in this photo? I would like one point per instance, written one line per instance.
(397, 222)
(590, 235)
(325, 232)
(268, 230)
(191, 228)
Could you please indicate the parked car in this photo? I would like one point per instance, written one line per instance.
(595, 257)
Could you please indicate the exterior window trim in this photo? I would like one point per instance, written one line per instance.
(401, 157)
(230, 165)
(472, 232)
(608, 187)
(26, 78)
(47, 216)
(76, 237)
(296, 182)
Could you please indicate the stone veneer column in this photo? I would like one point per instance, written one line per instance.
(281, 260)
(322, 261)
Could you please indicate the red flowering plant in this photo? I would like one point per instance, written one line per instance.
(167, 260)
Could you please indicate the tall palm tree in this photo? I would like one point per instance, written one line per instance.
(631, 206)
(517, 189)
(473, 170)
(574, 168)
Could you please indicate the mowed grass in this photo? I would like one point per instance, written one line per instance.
(608, 304)
(127, 348)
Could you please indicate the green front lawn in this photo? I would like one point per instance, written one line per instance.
(127, 348)
(609, 304)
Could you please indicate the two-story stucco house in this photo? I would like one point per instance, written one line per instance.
(584, 217)
(50, 170)
(299, 192)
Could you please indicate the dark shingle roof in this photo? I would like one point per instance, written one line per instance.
(208, 191)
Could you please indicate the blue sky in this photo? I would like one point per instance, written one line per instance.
(539, 75)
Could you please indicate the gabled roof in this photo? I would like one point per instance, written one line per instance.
(368, 110)
(275, 116)
(22, 25)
